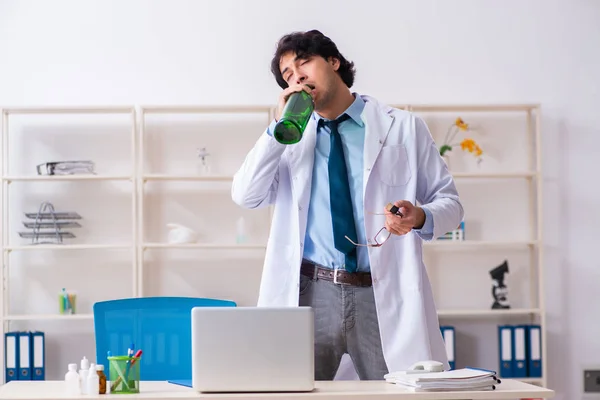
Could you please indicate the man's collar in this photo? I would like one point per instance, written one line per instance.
(354, 111)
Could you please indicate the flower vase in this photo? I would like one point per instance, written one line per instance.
(203, 162)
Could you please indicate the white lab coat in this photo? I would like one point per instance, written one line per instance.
(401, 162)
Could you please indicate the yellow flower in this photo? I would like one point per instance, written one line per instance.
(472, 147)
(461, 124)
(468, 144)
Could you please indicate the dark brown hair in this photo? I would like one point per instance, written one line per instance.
(311, 43)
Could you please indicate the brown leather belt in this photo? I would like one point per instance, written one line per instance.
(338, 276)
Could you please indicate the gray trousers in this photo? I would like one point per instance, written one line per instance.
(345, 322)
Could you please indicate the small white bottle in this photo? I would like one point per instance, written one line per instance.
(72, 381)
(93, 381)
(241, 231)
(83, 374)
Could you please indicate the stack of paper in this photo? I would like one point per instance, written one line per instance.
(455, 380)
(66, 168)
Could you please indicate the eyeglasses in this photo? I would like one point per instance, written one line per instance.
(383, 235)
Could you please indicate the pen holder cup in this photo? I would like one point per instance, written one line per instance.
(67, 304)
(124, 373)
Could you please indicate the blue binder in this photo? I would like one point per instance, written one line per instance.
(520, 353)
(534, 351)
(11, 356)
(448, 332)
(506, 350)
(24, 344)
(38, 356)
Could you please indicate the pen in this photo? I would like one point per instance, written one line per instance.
(118, 380)
(128, 364)
(68, 308)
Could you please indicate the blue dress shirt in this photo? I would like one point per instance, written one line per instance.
(319, 247)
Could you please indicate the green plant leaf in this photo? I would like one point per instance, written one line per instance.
(444, 149)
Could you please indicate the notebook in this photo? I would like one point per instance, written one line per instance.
(455, 380)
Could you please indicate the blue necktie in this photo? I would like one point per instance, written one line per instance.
(342, 213)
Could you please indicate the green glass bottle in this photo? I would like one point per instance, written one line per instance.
(294, 118)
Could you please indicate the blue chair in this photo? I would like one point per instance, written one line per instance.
(159, 326)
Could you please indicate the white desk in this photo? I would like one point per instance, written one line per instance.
(333, 390)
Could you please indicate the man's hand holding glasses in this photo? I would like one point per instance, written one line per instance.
(410, 217)
(400, 218)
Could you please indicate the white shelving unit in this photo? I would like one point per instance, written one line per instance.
(141, 178)
(196, 179)
(8, 179)
(533, 244)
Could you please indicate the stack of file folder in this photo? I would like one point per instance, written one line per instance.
(520, 351)
(66, 168)
(465, 379)
(24, 356)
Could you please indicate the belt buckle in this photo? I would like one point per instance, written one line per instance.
(335, 277)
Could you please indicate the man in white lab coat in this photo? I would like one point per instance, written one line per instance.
(333, 244)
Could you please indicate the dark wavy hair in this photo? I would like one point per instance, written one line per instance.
(311, 43)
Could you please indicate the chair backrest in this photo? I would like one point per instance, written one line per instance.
(159, 326)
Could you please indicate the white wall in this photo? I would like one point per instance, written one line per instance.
(184, 52)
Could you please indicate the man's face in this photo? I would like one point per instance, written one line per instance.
(315, 71)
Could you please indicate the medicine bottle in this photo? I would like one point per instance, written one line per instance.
(72, 381)
(294, 118)
(83, 374)
(101, 379)
(93, 381)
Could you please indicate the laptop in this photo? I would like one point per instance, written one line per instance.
(253, 349)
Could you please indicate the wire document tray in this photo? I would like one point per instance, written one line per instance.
(48, 224)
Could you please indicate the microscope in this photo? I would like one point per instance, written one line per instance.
(499, 289)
